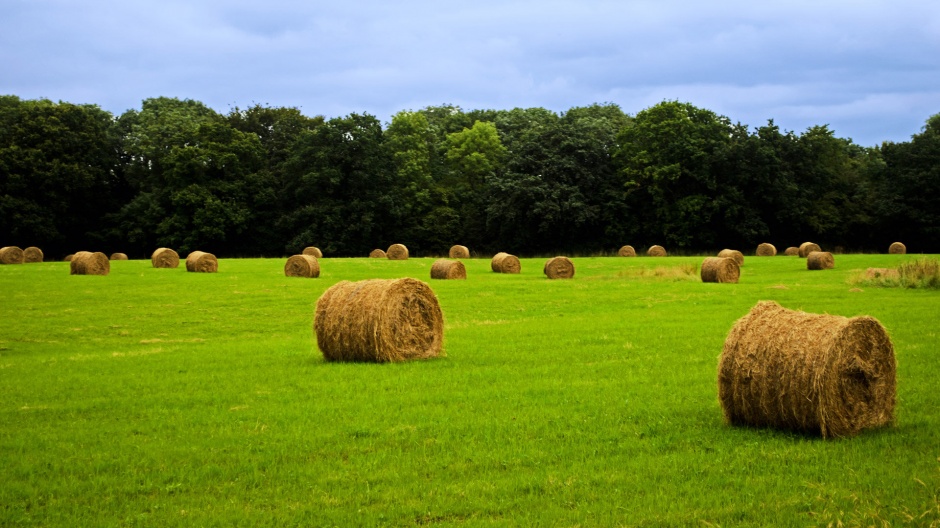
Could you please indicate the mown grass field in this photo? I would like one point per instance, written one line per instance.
(157, 397)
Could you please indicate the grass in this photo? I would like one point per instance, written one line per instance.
(164, 398)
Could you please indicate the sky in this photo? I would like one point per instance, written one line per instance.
(870, 70)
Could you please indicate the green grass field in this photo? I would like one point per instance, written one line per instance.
(157, 397)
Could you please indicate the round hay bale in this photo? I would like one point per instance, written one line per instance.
(822, 374)
(720, 269)
(732, 254)
(808, 247)
(378, 253)
(88, 263)
(202, 262)
(32, 254)
(766, 250)
(165, 258)
(313, 252)
(68, 258)
(118, 256)
(820, 260)
(459, 252)
(305, 266)
(897, 248)
(448, 269)
(12, 255)
(396, 252)
(505, 263)
(379, 321)
(627, 251)
(559, 268)
(656, 251)
(792, 251)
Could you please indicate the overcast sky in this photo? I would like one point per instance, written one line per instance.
(868, 69)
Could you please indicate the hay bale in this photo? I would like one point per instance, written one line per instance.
(396, 252)
(559, 268)
(68, 258)
(88, 263)
(11, 255)
(792, 251)
(820, 260)
(202, 262)
(656, 251)
(808, 247)
(448, 269)
(732, 254)
(459, 252)
(118, 256)
(379, 320)
(897, 248)
(165, 258)
(505, 263)
(627, 251)
(766, 250)
(822, 374)
(378, 253)
(313, 252)
(720, 269)
(305, 266)
(32, 254)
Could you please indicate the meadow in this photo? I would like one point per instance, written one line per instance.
(156, 397)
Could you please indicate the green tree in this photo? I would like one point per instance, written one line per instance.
(475, 156)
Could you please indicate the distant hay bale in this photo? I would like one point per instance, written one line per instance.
(32, 254)
(897, 248)
(459, 252)
(12, 255)
(377, 253)
(305, 266)
(822, 374)
(720, 269)
(559, 268)
(656, 251)
(732, 254)
(808, 247)
(627, 251)
(313, 252)
(396, 252)
(792, 251)
(379, 321)
(820, 260)
(448, 269)
(118, 256)
(165, 258)
(505, 263)
(88, 263)
(202, 262)
(68, 258)
(766, 250)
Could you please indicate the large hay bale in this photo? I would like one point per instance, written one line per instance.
(732, 254)
(720, 269)
(313, 252)
(379, 320)
(118, 256)
(897, 248)
(378, 253)
(766, 250)
(505, 263)
(12, 255)
(820, 260)
(448, 269)
(88, 263)
(202, 262)
(792, 251)
(627, 251)
(559, 268)
(806, 372)
(32, 254)
(808, 247)
(165, 258)
(656, 251)
(305, 266)
(459, 252)
(396, 252)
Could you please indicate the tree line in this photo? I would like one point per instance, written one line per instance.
(269, 181)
